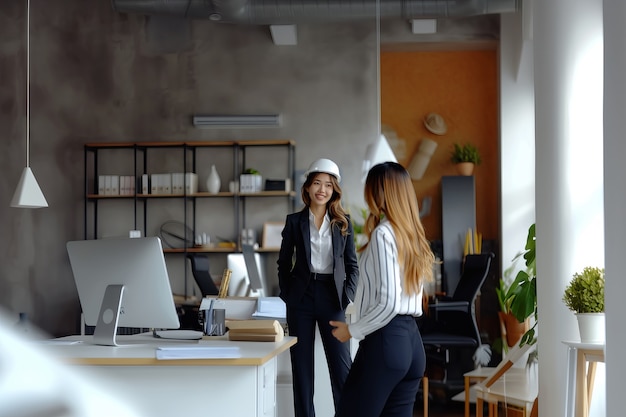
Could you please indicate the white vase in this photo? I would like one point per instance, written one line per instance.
(591, 327)
(213, 181)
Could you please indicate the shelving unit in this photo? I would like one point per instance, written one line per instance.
(221, 215)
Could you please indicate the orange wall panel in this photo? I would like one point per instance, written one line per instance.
(461, 86)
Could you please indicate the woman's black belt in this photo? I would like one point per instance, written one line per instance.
(322, 277)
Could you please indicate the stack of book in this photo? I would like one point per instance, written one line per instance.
(255, 330)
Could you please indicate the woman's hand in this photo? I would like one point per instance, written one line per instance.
(340, 331)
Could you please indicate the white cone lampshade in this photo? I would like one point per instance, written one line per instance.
(28, 194)
(376, 153)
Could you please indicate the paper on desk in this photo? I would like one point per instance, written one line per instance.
(197, 352)
(58, 342)
(270, 307)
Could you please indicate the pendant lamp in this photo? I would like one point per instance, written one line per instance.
(28, 194)
(379, 151)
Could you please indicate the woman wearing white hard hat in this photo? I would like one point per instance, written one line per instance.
(317, 275)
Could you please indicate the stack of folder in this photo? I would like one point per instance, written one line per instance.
(255, 330)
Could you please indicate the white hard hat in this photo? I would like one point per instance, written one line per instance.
(324, 165)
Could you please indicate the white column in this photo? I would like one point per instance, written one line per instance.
(569, 194)
(615, 200)
(517, 136)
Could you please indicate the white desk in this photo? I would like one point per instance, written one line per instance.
(519, 390)
(244, 386)
(580, 378)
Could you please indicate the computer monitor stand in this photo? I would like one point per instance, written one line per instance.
(106, 329)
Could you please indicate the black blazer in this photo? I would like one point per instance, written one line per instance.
(294, 273)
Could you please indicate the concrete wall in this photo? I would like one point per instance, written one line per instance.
(100, 76)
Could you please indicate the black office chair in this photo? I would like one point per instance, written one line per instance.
(200, 271)
(450, 330)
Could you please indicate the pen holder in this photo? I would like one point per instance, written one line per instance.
(213, 321)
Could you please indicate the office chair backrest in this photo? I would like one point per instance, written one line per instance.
(475, 270)
(200, 270)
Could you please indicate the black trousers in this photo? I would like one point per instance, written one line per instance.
(386, 372)
(318, 306)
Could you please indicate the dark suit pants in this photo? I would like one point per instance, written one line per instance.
(318, 306)
(386, 372)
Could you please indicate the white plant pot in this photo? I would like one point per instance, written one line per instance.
(591, 327)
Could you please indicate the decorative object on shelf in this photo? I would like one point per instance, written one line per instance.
(473, 243)
(465, 157)
(176, 235)
(28, 194)
(584, 295)
(421, 159)
(435, 124)
(247, 237)
(202, 240)
(272, 234)
(250, 181)
(213, 181)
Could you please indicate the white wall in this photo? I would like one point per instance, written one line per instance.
(517, 135)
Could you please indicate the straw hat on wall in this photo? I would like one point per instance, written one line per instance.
(435, 124)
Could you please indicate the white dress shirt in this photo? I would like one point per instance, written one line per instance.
(321, 245)
(379, 293)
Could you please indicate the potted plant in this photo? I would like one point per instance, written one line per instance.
(584, 295)
(465, 157)
(521, 295)
(510, 327)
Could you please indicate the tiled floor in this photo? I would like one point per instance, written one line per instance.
(451, 409)
(438, 406)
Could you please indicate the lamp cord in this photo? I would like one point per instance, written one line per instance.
(378, 101)
(28, 84)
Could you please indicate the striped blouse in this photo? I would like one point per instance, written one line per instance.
(379, 295)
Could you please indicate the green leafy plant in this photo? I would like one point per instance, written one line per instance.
(465, 153)
(585, 292)
(522, 294)
(503, 288)
(357, 226)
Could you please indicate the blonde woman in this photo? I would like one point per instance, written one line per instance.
(394, 265)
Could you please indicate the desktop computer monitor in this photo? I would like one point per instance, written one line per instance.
(245, 277)
(122, 282)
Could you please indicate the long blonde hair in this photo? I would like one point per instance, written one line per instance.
(389, 193)
(335, 210)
